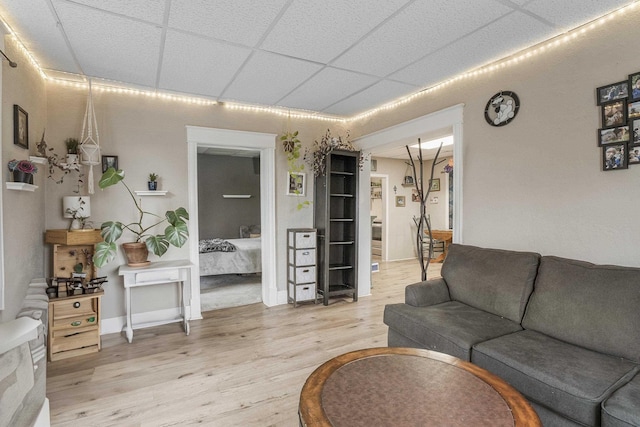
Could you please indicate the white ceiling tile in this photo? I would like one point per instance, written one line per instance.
(418, 30)
(516, 30)
(325, 88)
(112, 47)
(268, 77)
(572, 13)
(39, 33)
(146, 10)
(196, 65)
(378, 94)
(237, 21)
(337, 24)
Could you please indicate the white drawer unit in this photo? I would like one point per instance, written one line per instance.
(301, 265)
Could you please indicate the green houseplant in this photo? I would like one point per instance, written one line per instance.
(176, 233)
(152, 184)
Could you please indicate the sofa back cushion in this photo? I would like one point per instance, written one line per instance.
(493, 280)
(593, 306)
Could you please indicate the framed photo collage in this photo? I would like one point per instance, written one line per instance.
(619, 136)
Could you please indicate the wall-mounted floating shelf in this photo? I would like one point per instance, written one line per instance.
(38, 160)
(151, 193)
(21, 186)
(236, 196)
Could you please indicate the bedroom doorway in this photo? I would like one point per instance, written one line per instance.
(265, 144)
(229, 227)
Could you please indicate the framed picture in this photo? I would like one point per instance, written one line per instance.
(614, 157)
(415, 196)
(634, 154)
(635, 131)
(296, 183)
(634, 87)
(435, 184)
(614, 114)
(634, 110)
(612, 92)
(20, 127)
(401, 201)
(613, 135)
(109, 162)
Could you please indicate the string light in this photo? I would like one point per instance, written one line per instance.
(514, 59)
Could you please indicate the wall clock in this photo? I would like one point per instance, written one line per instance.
(502, 108)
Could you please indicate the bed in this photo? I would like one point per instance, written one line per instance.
(247, 258)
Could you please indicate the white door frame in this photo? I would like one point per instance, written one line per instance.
(237, 140)
(395, 136)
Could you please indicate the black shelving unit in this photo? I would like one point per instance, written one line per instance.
(336, 219)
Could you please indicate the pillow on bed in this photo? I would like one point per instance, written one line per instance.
(216, 245)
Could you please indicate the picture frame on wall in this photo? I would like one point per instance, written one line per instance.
(109, 162)
(435, 184)
(634, 110)
(634, 130)
(614, 114)
(20, 127)
(614, 157)
(612, 92)
(296, 183)
(634, 154)
(401, 201)
(613, 135)
(634, 86)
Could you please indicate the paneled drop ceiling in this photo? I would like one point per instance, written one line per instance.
(338, 57)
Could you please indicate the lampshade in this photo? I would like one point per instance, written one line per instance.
(81, 204)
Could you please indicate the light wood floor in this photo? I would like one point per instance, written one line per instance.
(242, 366)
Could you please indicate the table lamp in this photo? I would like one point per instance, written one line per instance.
(78, 209)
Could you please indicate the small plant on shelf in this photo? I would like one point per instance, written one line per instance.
(72, 145)
(153, 181)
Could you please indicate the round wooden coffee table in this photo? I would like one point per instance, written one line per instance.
(391, 386)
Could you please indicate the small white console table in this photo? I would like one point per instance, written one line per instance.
(156, 273)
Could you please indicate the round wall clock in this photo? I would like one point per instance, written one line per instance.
(502, 108)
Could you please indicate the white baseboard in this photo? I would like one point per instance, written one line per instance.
(116, 324)
(282, 297)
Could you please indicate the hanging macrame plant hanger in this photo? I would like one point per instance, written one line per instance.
(90, 141)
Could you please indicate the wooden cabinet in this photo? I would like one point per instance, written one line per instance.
(336, 219)
(74, 325)
(74, 321)
(71, 248)
(301, 265)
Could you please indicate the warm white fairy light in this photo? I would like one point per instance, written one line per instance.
(284, 112)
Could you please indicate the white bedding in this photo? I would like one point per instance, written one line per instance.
(246, 259)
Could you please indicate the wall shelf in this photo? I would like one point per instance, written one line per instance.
(151, 193)
(38, 160)
(21, 186)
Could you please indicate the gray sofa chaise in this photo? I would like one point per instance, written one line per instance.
(564, 333)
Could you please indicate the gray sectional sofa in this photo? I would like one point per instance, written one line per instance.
(564, 333)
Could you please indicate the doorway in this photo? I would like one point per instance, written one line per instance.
(236, 140)
(229, 227)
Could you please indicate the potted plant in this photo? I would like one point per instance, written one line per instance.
(153, 182)
(176, 233)
(22, 170)
(72, 150)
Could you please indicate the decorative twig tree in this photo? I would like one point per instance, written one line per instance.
(422, 222)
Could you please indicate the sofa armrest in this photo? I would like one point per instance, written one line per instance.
(431, 292)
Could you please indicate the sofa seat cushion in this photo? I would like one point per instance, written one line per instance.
(622, 409)
(451, 327)
(570, 379)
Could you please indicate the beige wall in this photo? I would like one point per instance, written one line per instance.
(23, 218)
(535, 184)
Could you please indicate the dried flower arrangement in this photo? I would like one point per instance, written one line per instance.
(316, 158)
